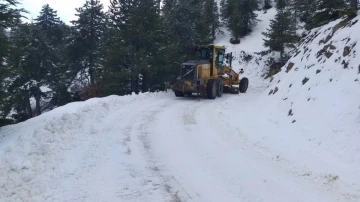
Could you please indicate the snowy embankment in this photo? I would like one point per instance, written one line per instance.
(253, 42)
(47, 154)
(248, 54)
(310, 113)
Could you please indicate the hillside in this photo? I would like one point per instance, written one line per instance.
(318, 90)
(311, 108)
(248, 54)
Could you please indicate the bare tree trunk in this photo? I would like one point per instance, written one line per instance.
(91, 69)
(28, 105)
(92, 35)
(38, 98)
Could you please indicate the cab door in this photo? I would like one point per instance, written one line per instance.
(219, 59)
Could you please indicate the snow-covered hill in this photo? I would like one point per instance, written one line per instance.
(250, 54)
(252, 43)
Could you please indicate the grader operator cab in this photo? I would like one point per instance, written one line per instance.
(207, 76)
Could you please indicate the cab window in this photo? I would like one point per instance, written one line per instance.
(220, 54)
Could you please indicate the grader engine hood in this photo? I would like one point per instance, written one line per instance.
(189, 69)
(196, 62)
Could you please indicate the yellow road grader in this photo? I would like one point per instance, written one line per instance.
(207, 76)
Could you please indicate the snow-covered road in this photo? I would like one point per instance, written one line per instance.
(156, 147)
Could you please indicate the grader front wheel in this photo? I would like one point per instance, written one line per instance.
(178, 94)
(243, 85)
(220, 87)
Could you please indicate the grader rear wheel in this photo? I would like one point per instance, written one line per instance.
(211, 89)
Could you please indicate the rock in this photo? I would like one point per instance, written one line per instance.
(353, 45)
(271, 91)
(289, 67)
(318, 71)
(346, 64)
(276, 90)
(328, 54)
(346, 51)
(290, 113)
(325, 51)
(305, 80)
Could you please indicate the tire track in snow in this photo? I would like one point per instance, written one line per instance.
(174, 121)
(225, 165)
(101, 170)
(143, 135)
(303, 177)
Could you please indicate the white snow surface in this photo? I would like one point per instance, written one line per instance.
(253, 42)
(157, 147)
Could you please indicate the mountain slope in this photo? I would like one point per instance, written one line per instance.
(312, 107)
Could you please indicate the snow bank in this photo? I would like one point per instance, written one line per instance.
(30, 152)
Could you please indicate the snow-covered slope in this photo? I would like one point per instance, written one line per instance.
(253, 42)
(250, 54)
(311, 108)
(321, 88)
(42, 158)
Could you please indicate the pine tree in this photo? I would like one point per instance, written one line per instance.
(282, 4)
(4, 51)
(50, 24)
(10, 16)
(239, 16)
(87, 38)
(34, 62)
(282, 32)
(267, 4)
(136, 27)
(63, 73)
(326, 11)
(354, 4)
(304, 8)
(27, 68)
(54, 32)
(187, 23)
(211, 17)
